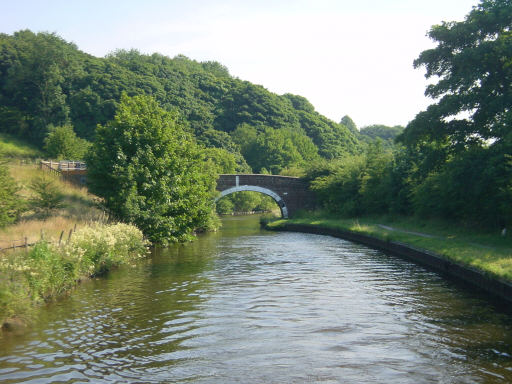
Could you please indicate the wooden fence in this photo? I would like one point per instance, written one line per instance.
(72, 171)
(23, 243)
(63, 166)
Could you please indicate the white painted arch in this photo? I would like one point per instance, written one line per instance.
(239, 188)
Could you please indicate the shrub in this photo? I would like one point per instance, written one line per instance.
(101, 247)
(47, 195)
(62, 143)
(11, 205)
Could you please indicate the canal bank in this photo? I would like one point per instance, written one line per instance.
(496, 286)
(248, 305)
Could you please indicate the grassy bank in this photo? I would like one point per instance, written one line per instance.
(56, 263)
(486, 251)
(45, 271)
(79, 208)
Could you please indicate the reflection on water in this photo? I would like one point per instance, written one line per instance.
(248, 306)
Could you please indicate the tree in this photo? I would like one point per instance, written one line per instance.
(457, 156)
(151, 172)
(11, 205)
(47, 196)
(274, 149)
(381, 131)
(37, 66)
(349, 123)
(473, 93)
(62, 143)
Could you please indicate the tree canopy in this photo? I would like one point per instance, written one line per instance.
(472, 68)
(151, 172)
(62, 143)
(47, 81)
(453, 160)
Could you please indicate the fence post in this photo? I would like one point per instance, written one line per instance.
(70, 233)
(60, 238)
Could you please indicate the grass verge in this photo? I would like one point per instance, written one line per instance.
(38, 275)
(488, 252)
(80, 208)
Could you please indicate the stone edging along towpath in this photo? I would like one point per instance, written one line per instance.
(499, 288)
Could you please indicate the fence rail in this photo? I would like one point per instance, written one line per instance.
(63, 166)
(23, 243)
(19, 243)
(71, 171)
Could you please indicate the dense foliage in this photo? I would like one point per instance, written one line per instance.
(151, 172)
(455, 161)
(271, 150)
(46, 81)
(12, 147)
(62, 143)
(385, 134)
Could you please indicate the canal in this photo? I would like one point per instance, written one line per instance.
(248, 306)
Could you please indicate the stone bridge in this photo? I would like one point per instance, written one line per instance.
(290, 193)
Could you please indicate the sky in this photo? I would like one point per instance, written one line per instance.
(346, 57)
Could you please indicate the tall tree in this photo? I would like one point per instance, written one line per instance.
(472, 66)
(151, 172)
(36, 69)
(349, 123)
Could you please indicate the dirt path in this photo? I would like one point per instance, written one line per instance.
(410, 232)
(387, 227)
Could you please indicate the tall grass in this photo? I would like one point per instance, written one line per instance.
(47, 270)
(80, 208)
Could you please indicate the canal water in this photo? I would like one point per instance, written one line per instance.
(250, 306)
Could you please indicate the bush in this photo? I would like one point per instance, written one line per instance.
(62, 143)
(102, 247)
(47, 195)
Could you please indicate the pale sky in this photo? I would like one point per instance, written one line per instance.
(346, 57)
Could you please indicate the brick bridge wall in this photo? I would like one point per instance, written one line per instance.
(290, 193)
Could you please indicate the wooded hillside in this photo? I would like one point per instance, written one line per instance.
(46, 81)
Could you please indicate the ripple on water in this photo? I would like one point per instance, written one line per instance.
(266, 308)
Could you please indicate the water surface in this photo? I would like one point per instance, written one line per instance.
(250, 306)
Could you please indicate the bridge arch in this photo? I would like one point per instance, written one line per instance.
(290, 193)
(240, 188)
